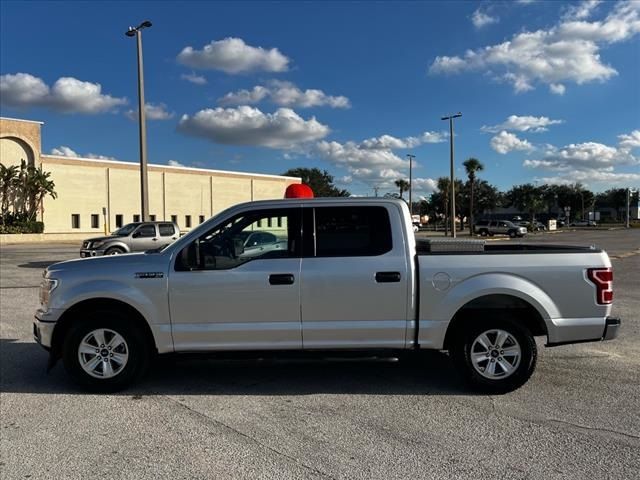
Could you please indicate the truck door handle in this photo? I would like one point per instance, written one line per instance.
(281, 279)
(154, 239)
(388, 277)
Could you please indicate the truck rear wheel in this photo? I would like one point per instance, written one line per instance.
(495, 356)
(105, 353)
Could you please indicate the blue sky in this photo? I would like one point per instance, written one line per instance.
(549, 91)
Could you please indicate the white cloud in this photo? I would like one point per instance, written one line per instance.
(567, 52)
(584, 156)
(391, 142)
(233, 55)
(68, 94)
(506, 142)
(245, 97)
(373, 161)
(557, 88)
(64, 151)
(246, 125)
(593, 177)
(99, 157)
(193, 78)
(175, 163)
(154, 112)
(630, 141)
(482, 19)
(284, 94)
(524, 123)
(581, 11)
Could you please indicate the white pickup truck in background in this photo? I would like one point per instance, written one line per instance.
(341, 275)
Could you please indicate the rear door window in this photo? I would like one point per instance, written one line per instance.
(357, 231)
(166, 229)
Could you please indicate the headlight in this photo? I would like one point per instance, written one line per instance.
(47, 286)
(96, 244)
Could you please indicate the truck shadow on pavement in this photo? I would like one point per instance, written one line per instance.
(23, 370)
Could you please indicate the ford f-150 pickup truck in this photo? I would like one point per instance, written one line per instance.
(337, 275)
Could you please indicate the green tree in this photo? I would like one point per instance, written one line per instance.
(320, 181)
(472, 166)
(527, 198)
(403, 185)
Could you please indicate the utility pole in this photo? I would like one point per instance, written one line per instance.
(627, 224)
(410, 157)
(375, 189)
(144, 182)
(453, 187)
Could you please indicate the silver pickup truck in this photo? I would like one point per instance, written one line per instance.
(338, 275)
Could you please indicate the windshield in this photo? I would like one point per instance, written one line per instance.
(126, 230)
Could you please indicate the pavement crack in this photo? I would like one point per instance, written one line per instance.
(251, 439)
(554, 421)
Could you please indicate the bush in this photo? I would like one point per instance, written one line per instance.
(22, 227)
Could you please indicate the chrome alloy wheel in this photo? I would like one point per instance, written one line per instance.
(495, 354)
(103, 353)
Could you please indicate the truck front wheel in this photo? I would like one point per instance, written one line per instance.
(105, 353)
(496, 356)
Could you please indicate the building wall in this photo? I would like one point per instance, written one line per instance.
(86, 186)
(19, 139)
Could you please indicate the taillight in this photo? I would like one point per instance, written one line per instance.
(602, 278)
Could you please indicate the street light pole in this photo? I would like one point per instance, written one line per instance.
(410, 157)
(452, 187)
(144, 182)
(628, 194)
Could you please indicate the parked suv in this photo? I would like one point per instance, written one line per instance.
(499, 227)
(133, 237)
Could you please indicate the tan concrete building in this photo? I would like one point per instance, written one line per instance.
(88, 187)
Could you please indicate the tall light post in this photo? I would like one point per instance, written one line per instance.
(410, 157)
(144, 182)
(453, 187)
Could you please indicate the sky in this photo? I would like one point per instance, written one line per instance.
(549, 91)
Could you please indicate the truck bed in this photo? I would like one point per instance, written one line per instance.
(442, 246)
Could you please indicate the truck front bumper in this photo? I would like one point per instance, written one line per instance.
(84, 253)
(43, 333)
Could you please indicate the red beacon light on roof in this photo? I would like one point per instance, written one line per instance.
(298, 190)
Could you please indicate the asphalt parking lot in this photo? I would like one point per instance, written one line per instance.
(578, 417)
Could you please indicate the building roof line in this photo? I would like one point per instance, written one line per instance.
(169, 167)
(22, 120)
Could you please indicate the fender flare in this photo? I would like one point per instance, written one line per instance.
(495, 284)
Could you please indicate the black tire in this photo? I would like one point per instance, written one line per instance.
(513, 234)
(114, 251)
(135, 346)
(483, 233)
(464, 341)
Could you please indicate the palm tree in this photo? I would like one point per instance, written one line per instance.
(8, 177)
(472, 165)
(443, 187)
(403, 185)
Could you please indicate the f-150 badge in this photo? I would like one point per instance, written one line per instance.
(149, 274)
